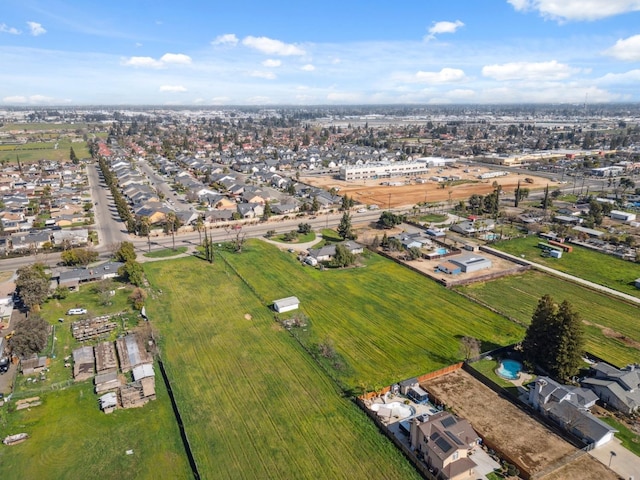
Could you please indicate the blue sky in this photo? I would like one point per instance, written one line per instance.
(330, 52)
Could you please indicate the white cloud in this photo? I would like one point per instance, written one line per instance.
(220, 100)
(164, 61)
(138, 44)
(172, 88)
(261, 74)
(630, 77)
(226, 39)
(460, 94)
(142, 62)
(567, 10)
(270, 62)
(446, 75)
(443, 27)
(4, 28)
(627, 49)
(33, 100)
(258, 100)
(13, 99)
(36, 29)
(308, 67)
(176, 59)
(271, 46)
(551, 70)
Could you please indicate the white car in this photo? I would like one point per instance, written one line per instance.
(77, 311)
(362, 210)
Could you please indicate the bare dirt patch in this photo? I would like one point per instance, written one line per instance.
(610, 333)
(527, 443)
(247, 316)
(371, 192)
(584, 468)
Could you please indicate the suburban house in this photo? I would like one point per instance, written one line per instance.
(445, 443)
(72, 237)
(73, 278)
(569, 407)
(471, 227)
(326, 253)
(617, 388)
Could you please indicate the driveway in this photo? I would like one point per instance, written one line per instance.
(618, 459)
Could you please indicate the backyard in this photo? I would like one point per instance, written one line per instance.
(253, 403)
(611, 328)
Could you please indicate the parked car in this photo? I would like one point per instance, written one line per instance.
(4, 365)
(76, 311)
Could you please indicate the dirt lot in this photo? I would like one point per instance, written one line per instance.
(521, 438)
(584, 468)
(370, 192)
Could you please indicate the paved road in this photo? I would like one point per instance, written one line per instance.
(111, 230)
(587, 283)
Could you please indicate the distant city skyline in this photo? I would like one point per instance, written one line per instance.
(329, 53)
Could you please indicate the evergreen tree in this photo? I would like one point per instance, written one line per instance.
(345, 229)
(72, 156)
(554, 340)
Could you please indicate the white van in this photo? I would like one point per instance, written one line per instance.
(76, 311)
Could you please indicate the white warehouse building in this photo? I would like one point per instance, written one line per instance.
(375, 170)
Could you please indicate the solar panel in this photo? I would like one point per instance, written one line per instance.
(448, 421)
(443, 444)
(453, 437)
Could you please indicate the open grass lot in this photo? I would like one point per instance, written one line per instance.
(71, 438)
(594, 266)
(32, 152)
(301, 238)
(254, 404)
(387, 322)
(613, 328)
(166, 252)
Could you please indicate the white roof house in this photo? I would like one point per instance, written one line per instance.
(286, 304)
(142, 371)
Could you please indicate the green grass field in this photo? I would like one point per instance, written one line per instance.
(517, 296)
(32, 152)
(38, 127)
(71, 438)
(594, 266)
(301, 238)
(254, 404)
(387, 322)
(166, 252)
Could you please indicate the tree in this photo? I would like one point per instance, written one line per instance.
(72, 156)
(267, 211)
(343, 257)
(345, 229)
(554, 340)
(30, 336)
(171, 224)
(79, 256)
(304, 228)
(347, 202)
(132, 272)
(199, 227)
(125, 252)
(469, 347)
(315, 204)
(389, 220)
(137, 298)
(546, 200)
(32, 285)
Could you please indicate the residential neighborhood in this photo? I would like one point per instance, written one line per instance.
(417, 255)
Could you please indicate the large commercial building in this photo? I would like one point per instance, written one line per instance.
(388, 169)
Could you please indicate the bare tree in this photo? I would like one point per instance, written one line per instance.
(469, 347)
